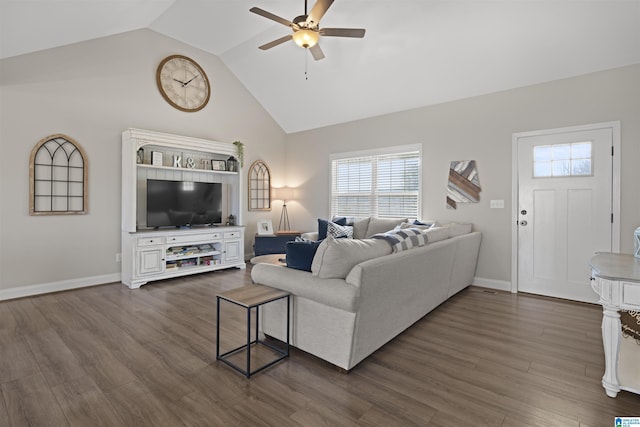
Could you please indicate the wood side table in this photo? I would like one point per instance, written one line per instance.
(250, 297)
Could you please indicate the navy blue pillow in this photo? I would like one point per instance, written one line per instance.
(300, 254)
(322, 226)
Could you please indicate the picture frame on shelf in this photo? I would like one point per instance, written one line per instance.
(156, 158)
(265, 227)
(218, 165)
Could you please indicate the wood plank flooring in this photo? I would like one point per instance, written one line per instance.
(111, 356)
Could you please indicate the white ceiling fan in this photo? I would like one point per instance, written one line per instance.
(306, 28)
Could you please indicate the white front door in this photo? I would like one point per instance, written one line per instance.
(565, 209)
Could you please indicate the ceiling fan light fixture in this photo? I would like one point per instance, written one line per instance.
(306, 38)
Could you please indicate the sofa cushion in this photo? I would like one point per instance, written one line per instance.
(402, 239)
(360, 228)
(323, 223)
(458, 228)
(337, 231)
(435, 234)
(381, 225)
(336, 257)
(300, 254)
(332, 292)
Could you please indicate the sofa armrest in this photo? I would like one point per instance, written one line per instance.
(332, 292)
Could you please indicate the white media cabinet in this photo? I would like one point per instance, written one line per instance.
(155, 254)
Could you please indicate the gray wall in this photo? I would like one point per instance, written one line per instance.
(480, 129)
(92, 91)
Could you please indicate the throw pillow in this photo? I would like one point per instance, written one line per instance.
(381, 225)
(323, 223)
(403, 239)
(300, 254)
(338, 231)
(412, 225)
(335, 258)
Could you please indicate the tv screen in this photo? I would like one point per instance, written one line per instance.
(183, 203)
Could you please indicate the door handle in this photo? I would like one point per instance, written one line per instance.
(523, 222)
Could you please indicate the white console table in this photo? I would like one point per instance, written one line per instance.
(616, 279)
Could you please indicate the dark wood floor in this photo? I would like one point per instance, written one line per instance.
(112, 356)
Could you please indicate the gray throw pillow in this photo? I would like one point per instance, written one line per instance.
(335, 258)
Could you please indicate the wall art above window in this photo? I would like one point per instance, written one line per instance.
(58, 177)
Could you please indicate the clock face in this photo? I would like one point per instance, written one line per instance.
(183, 83)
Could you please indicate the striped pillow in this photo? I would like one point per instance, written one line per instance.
(403, 239)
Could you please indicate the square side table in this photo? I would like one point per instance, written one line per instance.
(249, 297)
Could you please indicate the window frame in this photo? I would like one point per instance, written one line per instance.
(376, 154)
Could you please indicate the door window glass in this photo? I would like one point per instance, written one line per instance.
(558, 160)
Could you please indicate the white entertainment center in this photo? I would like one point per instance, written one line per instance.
(153, 254)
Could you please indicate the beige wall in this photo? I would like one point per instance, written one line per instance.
(480, 129)
(92, 91)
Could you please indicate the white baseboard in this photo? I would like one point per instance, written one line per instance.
(501, 285)
(63, 285)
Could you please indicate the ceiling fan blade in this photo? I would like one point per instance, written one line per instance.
(343, 32)
(275, 42)
(271, 16)
(317, 12)
(316, 52)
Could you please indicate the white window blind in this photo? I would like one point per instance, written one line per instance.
(380, 183)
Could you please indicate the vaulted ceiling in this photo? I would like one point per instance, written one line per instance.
(415, 52)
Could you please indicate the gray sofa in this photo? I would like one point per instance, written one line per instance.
(344, 319)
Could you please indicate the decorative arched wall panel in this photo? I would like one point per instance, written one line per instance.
(259, 187)
(58, 177)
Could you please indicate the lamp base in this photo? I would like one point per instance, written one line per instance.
(284, 220)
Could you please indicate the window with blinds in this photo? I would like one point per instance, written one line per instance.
(381, 183)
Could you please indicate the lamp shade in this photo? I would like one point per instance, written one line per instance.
(283, 193)
(306, 38)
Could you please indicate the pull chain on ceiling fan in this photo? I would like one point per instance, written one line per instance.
(306, 28)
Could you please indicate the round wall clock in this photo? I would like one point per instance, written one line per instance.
(183, 83)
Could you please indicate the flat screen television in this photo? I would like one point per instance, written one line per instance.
(183, 203)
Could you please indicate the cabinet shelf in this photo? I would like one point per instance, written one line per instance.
(192, 255)
(191, 269)
(146, 166)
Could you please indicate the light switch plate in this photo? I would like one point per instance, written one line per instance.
(497, 204)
